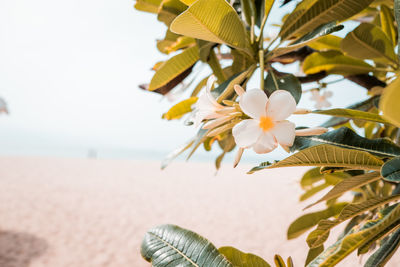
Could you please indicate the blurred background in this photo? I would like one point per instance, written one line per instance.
(70, 70)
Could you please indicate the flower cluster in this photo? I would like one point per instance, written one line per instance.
(258, 121)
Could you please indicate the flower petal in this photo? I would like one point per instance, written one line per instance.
(253, 103)
(281, 104)
(284, 132)
(266, 143)
(246, 133)
(211, 99)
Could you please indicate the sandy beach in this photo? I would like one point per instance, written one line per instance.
(84, 212)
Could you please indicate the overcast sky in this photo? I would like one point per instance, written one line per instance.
(69, 72)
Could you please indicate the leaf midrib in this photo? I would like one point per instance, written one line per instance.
(371, 48)
(177, 250)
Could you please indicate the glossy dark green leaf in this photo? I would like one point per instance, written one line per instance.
(346, 138)
(382, 255)
(287, 82)
(168, 244)
(391, 170)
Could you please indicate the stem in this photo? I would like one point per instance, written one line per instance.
(262, 28)
(274, 78)
(252, 30)
(262, 68)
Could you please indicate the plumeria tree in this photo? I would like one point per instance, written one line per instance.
(356, 150)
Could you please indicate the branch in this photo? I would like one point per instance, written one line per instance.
(365, 80)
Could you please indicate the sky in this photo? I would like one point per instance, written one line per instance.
(70, 70)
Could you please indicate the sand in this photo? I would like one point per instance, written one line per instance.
(84, 212)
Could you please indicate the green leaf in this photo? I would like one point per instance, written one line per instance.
(363, 106)
(148, 5)
(205, 49)
(214, 64)
(327, 155)
(307, 221)
(241, 259)
(174, 67)
(180, 109)
(212, 20)
(389, 103)
(311, 177)
(387, 24)
(347, 185)
(320, 32)
(328, 42)
(314, 190)
(382, 255)
(188, 2)
(287, 82)
(168, 41)
(313, 253)
(169, 243)
(346, 138)
(334, 62)
(309, 14)
(353, 114)
(321, 233)
(391, 170)
(249, 10)
(169, 9)
(334, 254)
(368, 41)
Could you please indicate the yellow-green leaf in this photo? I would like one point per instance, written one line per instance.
(212, 20)
(309, 14)
(334, 62)
(389, 102)
(368, 41)
(327, 155)
(387, 24)
(347, 185)
(180, 109)
(174, 66)
(239, 258)
(148, 5)
(307, 221)
(328, 42)
(169, 9)
(334, 254)
(188, 2)
(352, 114)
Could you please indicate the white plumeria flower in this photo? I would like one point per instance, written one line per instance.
(206, 106)
(268, 125)
(321, 100)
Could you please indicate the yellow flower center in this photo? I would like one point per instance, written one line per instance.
(266, 123)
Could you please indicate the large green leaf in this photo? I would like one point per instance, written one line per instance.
(180, 109)
(334, 62)
(382, 255)
(368, 41)
(389, 103)
(328, 42)
(320, 32)
(212, 20)
(327, 155)
(334, 254)
(346, 138)
(318, 236)
(241, 259)
(307, 221)
(310, 177)
(387, 24)
(174, 67)
(168, 244)
(353, 114)
(309, 14)
(347, 185)
(391, 170)
(148, 5)
(287, 82)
